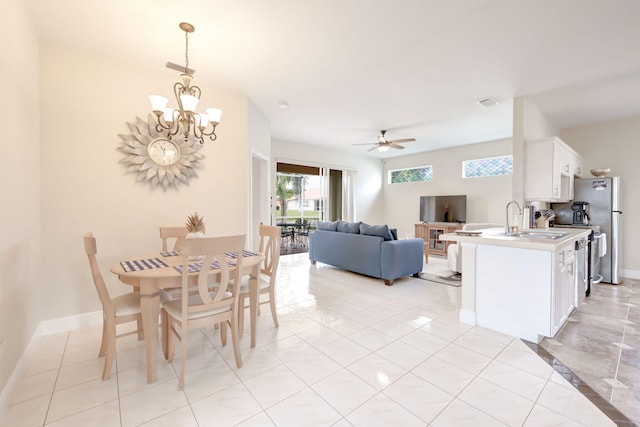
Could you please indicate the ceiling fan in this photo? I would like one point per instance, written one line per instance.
(384, 144)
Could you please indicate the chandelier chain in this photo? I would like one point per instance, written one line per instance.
(186, 52)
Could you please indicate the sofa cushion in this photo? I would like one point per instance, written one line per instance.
(376, 230)
(349, 227)
(394, 233)
(327, 225)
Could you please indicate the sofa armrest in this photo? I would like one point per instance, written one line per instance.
(401, 258)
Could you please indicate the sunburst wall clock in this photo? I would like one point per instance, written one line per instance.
(156, 159)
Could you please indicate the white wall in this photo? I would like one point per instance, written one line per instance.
(369, 206)
(86, 101)
(615, 145)
(259, 129)
(486, 197)
(20, 246)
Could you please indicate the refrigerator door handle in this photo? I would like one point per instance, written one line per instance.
(615, 235)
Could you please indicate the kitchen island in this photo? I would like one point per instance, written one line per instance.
(522, 285)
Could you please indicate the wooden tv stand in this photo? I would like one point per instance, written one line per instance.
(431, 232)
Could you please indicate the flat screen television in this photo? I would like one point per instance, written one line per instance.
(443, 208)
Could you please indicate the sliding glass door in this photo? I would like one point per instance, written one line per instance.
(308, 193)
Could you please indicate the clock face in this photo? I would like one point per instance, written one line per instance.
(156, 159)
(163, 152)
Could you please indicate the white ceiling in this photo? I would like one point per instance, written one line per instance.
(348, 68)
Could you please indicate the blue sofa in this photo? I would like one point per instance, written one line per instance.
(367, 254)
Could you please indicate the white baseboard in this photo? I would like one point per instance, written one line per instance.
(47, 327)
(71, 323)
(630, 274)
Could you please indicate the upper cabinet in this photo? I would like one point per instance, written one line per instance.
(577, 166)
(550, 166)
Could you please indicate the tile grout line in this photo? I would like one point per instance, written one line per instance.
(615, 375)
(66, 345)
(608, 410)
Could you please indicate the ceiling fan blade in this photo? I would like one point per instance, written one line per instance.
(396, 146)
(374, 148)
(403, 140)
(367, 143)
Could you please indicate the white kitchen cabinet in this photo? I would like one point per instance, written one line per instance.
(521, 292)
(523, 287)
(577, 166)
(549, 169)
(563, 286)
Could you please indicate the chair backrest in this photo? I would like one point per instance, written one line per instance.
(213, 249)
(270, 237)
(90, 247)
(172, 233)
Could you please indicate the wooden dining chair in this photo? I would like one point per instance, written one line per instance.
(207, 307)
(115, 311)
(171, 233)
(270, 249)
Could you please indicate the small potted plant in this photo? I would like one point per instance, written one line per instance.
(195, 226)
(195, 230)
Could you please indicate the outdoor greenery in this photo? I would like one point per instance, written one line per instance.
(288, 187)
(292, 215)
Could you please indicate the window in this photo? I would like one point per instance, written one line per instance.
(493, 166)
(424, 173)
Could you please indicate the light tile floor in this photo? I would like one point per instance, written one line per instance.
(601, 344)
(349, 351)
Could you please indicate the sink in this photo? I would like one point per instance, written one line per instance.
(535, 234)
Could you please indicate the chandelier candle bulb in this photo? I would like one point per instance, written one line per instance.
(168, 115)
(189, 103)
(158, 104)
(214, 114)
(203, 121)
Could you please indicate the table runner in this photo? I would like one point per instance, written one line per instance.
(143, 264)
(170, 253)
(195, 267)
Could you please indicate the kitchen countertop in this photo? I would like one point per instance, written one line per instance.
(496, 237)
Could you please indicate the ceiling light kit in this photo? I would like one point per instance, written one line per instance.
(384, 144)
(188, 96)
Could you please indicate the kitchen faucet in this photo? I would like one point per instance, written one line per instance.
(509, 230)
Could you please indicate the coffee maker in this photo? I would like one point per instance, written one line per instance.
(580, 213)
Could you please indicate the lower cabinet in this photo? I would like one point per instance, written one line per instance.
(431, 234)
(564, 286)
(523, 292)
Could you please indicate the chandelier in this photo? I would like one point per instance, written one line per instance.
(188, 96)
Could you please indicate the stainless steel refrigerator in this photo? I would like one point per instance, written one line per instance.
(605, 211)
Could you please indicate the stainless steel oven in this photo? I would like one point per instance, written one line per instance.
(583, 282)
(589, 264)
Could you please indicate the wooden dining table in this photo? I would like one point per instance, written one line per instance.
(152, 272)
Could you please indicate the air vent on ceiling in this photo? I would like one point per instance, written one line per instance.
(488, 102)
(180, 68)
